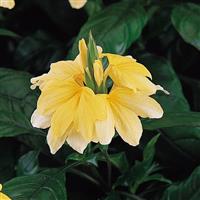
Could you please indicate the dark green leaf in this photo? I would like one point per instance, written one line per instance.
(7, 33)
(174, 120)
(186, 20)
(49, 184)
(115, 28)
(28, 164)
(120, 161)
(188, 189)
(149, 151)
(17, 103)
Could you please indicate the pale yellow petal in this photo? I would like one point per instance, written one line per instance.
(55, 143)
(1, 187)
(40, 121)
(54, 94)
(10, 4)
(127, 124)
(140, 103)
(76, 141)
(77, 4)
(105, 128)
(98, 72)
(88, 110)
(126, 64)
(61, 124)
(65, 69)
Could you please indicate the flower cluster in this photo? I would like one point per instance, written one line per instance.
(3, 196)
(88, 98)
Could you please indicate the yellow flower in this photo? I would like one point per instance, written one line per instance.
(79, 108)
(77, 4)
(7, 4)
(126, 72)
(3, 196)
(123, 106)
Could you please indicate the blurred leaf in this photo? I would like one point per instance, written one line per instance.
(37, 50)
(17, 103)
(186, 20)
(28, 164)
(49, 184)
(115, 28)
(93, 6)
(188, 189)
(173, 120)
(7, 33)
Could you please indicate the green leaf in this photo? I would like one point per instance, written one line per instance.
(149, 151)
(120, 161)
(188, 189)
(49, 184)
(17, 103)
(7, 33)
(114, 28)
(28, 164)
(186, 119)
(143, 171)
(186, 20)
(93, 6)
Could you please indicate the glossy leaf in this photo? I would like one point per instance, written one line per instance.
(185, 19)
(49, 184)
(17, 103)
(114, 28)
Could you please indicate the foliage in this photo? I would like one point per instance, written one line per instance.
(165, 37)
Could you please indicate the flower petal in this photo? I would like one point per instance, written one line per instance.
(77, 4)
(40, 121)
(89, 109)
(105, 128)
(127, 124)
(141, 104)
(54, 94)
(76, 141)
(10, 4)
(60, 124)
(126, 64)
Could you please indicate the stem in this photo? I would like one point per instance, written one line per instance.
(109, 166)
(86, 176)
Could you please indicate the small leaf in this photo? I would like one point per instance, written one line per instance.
(149, 151)
(120, 161)
(28, 164)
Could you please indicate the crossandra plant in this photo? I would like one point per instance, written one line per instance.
(99, 100)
